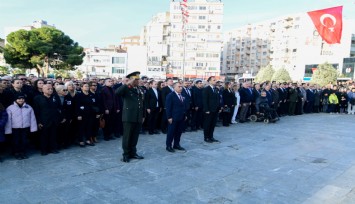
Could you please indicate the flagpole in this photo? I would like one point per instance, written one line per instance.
(184, 52)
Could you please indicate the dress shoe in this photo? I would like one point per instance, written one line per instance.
(179, 148)
(136, 156)
(55, 152)
(156, 132)
(151, 133)
(169, 149)
(18, 157)
(24, 156)
(208, 140)
(90, 143)
(125, 159)
(44, 153)
(214, 140)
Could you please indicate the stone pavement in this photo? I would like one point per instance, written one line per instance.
(300, 159)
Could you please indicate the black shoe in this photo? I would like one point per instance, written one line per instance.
(156, 132)
(164, 132)
(24, 156)
(179, 148)
(55, 152)
(44, 153)
(107, 139)
(151, 133)
(18, 157)
(136, 156)
(208, 140)
(125, 159)
(214, 140)
(169, 149)
(1, 160)
(90, 143)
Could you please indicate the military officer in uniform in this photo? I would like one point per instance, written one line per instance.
(132, 115)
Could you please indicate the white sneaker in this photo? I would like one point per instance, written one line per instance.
(234, 122)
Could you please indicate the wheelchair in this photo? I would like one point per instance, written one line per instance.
(266, 115)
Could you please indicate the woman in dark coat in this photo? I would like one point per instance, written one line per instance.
(3, 121)
(84, 113)
(228, 102)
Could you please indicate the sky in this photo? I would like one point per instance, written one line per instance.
(104, 22)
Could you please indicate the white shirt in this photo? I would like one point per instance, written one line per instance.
(156, 94)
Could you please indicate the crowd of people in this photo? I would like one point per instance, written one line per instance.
(55, 114)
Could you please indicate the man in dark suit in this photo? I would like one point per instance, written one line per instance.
(186, 92)
(310, 99)
(197, 104)
(111, 109)
(153, 106)
(246, 97)
(132, 116)
(164, 92)
(282, 98)
(46, 108)
(176, 113)
(211, 108)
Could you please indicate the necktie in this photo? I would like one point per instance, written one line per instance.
(180, 97)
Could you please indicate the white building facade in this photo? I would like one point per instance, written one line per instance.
(104, 62)
(198, 56)
(289, 42)
(155, 38)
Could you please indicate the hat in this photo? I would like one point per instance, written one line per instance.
(7, 78)
(144, 77)
(20, 96)
(133, 75)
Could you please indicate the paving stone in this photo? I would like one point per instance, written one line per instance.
(302, 159)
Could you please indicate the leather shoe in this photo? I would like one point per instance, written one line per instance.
(55, 152)
(169, 149)
(214, 140)
(136, 156)
(208, 140)
(125, 159)
(179, 148)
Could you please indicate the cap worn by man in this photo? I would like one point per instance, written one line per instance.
(133, 75)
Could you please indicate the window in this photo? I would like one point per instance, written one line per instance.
(201, 27)
(118, 70)
(199, 64)
(118, 60)
(202, 7)
(202, 17)
(200, 54)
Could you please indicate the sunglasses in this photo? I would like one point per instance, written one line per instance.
(65, 89)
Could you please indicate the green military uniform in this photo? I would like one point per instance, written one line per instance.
(132, 118)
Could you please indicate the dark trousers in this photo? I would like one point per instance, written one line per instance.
(111, 125)
(226, 117)
(64, 139)
(188, 120)
(309, 107)
(244, 111)
(292, 108)
(130, 138)
(152, 119)
(19, 140)
(209, 124)
(85, 127)
(49, 138)
(174, 133)
(94, 126)
(164, 122)
(197, 119)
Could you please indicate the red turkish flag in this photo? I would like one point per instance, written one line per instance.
(329, 23)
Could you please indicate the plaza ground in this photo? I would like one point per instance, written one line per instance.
(300, 159)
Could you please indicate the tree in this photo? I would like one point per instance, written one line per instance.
(4, 70)
(325, 74)
(264, 74)
(18, 71)
(79, 74)
(41, 48)
(281, 75)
